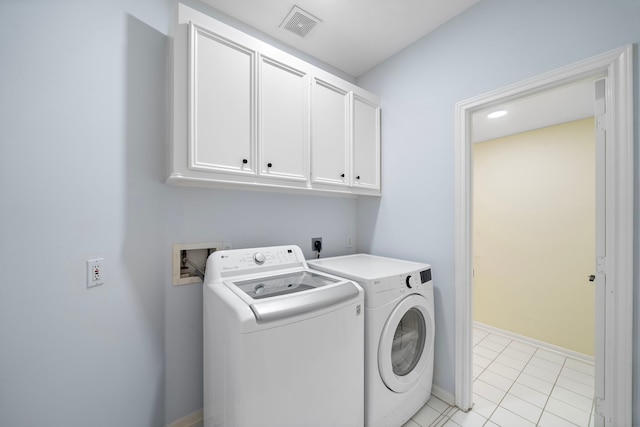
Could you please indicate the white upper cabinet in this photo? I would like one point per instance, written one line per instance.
(248, 115)
(284, 123)
(221, 104)
(366, 143)
(329, 134)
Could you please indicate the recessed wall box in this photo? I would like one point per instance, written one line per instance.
(190, 261)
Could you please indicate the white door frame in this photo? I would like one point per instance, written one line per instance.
(617, 68)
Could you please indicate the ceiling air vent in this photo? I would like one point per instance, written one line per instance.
(299, 22)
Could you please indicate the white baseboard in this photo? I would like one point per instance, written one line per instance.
(445, 396)
(551, 347)
(195, 419)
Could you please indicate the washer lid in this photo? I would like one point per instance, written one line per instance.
(271, 286)
(406, 344)
(271, 309)
(291, 294)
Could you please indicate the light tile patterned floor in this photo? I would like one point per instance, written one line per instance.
(517, 384)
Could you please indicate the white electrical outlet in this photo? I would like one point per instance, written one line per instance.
(95, 272)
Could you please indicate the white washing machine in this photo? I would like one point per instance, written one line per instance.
(283, 345)
(399, 333)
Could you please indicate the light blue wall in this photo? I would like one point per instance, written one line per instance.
(493, 44)
(83, 123)
(84, 119)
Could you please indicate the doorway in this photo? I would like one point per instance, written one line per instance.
(533, 220)
(614, 268)
(533, 225)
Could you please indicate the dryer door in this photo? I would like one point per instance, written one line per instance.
(406, 343)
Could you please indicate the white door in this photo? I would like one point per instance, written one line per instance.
(406, 343)
(599, 273)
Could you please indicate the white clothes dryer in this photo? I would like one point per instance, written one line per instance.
(283, 345)
(399, 333)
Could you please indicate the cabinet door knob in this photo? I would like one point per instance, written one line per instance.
(342, 175)
(245, 161)
(358, 177)
(269, 165)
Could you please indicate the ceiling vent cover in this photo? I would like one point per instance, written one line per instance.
(299, 22)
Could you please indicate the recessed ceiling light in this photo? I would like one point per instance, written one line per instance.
(497, 114)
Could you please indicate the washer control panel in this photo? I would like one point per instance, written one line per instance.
(246, 261)
(259, 258)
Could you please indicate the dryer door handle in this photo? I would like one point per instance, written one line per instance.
(270, 310)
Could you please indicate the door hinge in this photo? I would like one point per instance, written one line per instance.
(601, 265)
(601, 122)
(601, 409)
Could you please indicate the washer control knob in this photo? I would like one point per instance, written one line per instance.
(259, 258)
(411, 282)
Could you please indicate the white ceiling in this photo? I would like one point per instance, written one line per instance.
(354, 35)
(565, 104)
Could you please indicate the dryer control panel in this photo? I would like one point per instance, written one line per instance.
(382, 290)
(413, 280)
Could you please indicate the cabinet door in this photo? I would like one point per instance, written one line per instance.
(366, 143)
(329, 134)
(222, 91)
(284, 123)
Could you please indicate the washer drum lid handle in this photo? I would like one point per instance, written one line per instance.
(304, 302)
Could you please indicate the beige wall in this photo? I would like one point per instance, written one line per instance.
(534, 234)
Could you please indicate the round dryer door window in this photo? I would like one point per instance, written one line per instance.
(406, 343)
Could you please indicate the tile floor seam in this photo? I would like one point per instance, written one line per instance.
(593, 412)
(550, 392)
(547, 395)
(437, 420)
(563, 417)
(492, 361)
(503, 397)
(485, 368)
(521, 371)
(518, 415)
